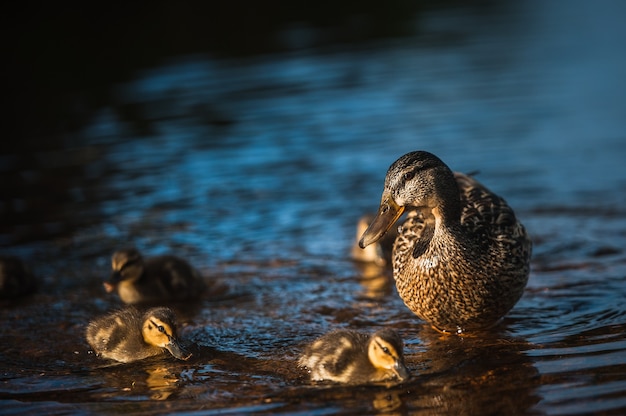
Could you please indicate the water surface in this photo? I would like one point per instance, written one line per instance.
(256, 168)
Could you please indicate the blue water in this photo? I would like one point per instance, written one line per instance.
(256, 170)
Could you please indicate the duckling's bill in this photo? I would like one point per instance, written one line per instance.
(177, 350)
(388, 213)
(111, 283)
(401, 371)
(109, 287)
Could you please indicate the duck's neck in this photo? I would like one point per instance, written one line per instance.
(447, 219)
(437, 230)
(447, 200)
(443, 217)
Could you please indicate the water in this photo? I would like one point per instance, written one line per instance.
(256, 168)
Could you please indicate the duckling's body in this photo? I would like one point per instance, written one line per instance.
(16, 278)
(461, 259)
(354, 358)
(156, 279)
(128, 335)
(378, 253)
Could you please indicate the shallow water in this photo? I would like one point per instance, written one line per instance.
(256, 169)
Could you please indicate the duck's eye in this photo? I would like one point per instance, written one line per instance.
(408, 176)
(159, 328)
(385, 350)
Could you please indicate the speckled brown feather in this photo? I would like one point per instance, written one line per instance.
(469, 276)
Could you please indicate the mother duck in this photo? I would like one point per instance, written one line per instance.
(461, 258)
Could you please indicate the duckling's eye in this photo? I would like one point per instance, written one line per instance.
(159, 328)
(408, 176)
(385, 350)
(129, 264)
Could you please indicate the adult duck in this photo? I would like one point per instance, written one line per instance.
(461, 258)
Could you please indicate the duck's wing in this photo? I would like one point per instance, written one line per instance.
(481, 209)
(490, 217)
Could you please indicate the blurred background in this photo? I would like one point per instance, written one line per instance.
(113, 110)
(249, 137)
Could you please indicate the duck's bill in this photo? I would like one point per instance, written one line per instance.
(388, 213)
(401, 371)
(111, 283)
(177, 351)
(109, 286)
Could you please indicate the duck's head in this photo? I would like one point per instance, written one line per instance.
(127, 265)
(385, 352)
(419, 180)
(159, 330)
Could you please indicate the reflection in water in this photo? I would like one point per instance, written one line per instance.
(486, 374)
(161, 382)
(376, 281)
(152, 379)
(387, 403)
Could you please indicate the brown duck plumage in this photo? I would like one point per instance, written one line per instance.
(461, 259)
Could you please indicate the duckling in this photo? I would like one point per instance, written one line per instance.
(162, 278)
(15, 278)
(461, 259)
(377, 254)
(128, 335)
(351, 357)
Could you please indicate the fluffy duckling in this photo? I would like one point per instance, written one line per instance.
(128, 335)
(354, 358)
(157, 279)
(461, 259)
(15, 278)
(378, 253)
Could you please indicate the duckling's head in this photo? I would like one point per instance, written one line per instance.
(385, 352)
(159, 330)
(127, 265)
(419, 180)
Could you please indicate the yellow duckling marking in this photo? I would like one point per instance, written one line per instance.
(354, 358)
(128, 335)
(157, 279)
(384, 356)
(461, 259)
